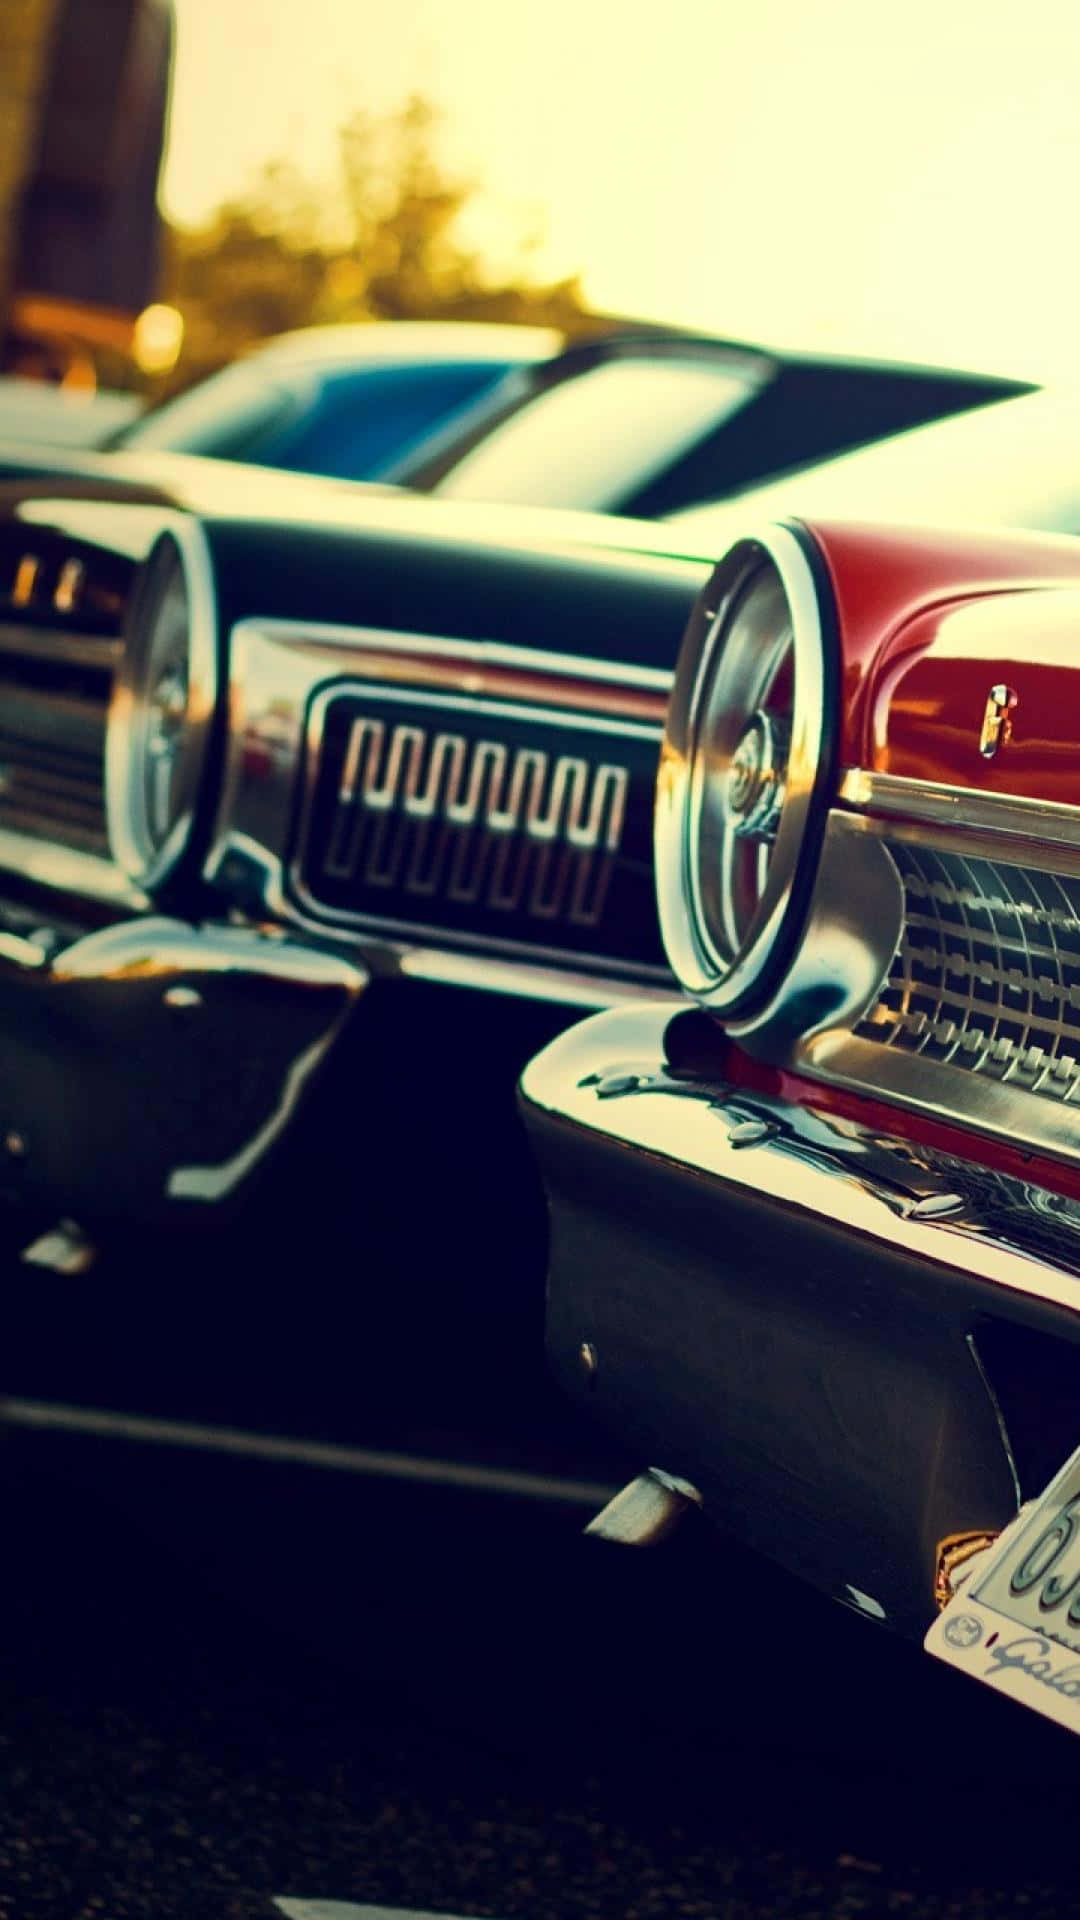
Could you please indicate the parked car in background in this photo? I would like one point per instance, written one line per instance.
(1013, 465)
(635, 423)
(646, 422)
(35, 412)
(344, 401)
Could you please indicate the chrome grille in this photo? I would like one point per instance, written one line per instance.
(987, 973)
(491, 823)
(52, 752)
(56, 793)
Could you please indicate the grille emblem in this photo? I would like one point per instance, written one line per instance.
(997, 720)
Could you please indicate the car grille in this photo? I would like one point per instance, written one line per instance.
(485, 823)
(987, 973)
(52, 741)
(62, 603)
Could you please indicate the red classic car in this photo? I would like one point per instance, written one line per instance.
(321, 815)
(816, 1233)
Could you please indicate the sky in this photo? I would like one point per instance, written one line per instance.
(836, 175)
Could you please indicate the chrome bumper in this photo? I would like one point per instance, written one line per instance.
(149, 1067)
(854, 1346)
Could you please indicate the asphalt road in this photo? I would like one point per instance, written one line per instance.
(222, 1683)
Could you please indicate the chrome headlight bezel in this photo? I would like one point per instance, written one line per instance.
(139, 719)
(735, 984)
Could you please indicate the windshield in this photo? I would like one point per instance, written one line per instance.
(226, 414)
(595, 439)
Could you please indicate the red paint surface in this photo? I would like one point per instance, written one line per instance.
(894, 588)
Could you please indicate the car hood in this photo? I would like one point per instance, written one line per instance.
(225, 487)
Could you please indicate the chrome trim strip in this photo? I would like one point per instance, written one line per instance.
(971, 809)
(30, 955)
(969, 1100)
(48, 864)
(45, 1416)
(718, 985)
(827, 1168)
(479, 667)
(506, 709)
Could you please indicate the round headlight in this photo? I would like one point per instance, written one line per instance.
(743, 765)
(162, 707)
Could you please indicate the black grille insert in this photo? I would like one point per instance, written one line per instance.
(52, 747)
(484, 823)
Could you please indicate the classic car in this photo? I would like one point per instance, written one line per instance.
(324, 814)
(637, 422)
(816, 1233)
(342, 400)
(320, 812)
(646, 421)
(1009, 465)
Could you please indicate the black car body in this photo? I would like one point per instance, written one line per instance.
(320, 814)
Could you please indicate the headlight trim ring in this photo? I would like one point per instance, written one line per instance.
(735, 985)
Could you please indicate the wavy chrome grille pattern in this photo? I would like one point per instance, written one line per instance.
(987, 973)
(496, 823)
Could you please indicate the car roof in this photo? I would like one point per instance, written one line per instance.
(410, 340)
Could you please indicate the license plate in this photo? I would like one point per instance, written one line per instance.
(1016, 1625)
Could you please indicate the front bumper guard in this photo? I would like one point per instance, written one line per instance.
(856, 1348)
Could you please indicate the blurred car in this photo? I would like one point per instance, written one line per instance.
(38, 412)
(632, 424)
(1014, 465)
(339, 400)
(646, 422)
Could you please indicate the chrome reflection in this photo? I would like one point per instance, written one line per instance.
(213, 1035)
(65, 870)
(162, 707)
(967, 809)
(842, 960)
(282, 675)
(610, 1076)
(744, 760)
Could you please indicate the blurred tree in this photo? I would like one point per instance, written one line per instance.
(385, 247)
